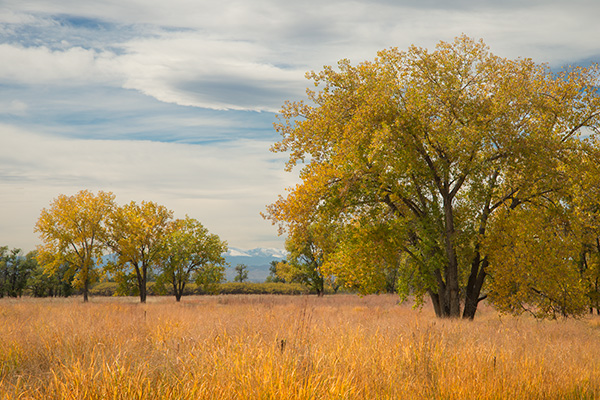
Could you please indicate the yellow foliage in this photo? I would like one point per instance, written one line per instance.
(137, 232)
(534, 257)
(74, 232)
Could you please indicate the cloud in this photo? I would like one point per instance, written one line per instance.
(225, 186)
(253, 55)
(41, 65)
(191, 69)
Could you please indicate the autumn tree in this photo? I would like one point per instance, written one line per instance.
(189, 249)
(137, 232)
(73, 232)
(425, 148)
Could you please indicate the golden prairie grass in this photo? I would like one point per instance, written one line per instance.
(284, 347)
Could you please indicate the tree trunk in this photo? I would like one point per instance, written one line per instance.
(141, 275)
(435, 299)
(452, 287)
(178, 288)
(85, 291)
(474, 286)
(143, 292)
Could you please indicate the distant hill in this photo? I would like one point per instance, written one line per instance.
(258, 261)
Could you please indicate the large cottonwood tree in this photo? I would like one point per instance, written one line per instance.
(73, 232)
(423, 149)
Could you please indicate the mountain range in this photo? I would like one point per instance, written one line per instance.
(258, 261)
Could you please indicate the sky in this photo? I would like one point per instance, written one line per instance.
(174, 101)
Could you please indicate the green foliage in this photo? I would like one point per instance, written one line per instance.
(15, 270)
(209, 277)
(127, 284)
(381, 264)
(188, 249)
(533, 264)
(241, 273)
(307, 247)
(41, 284)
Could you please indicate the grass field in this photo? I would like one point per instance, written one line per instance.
(287, 347)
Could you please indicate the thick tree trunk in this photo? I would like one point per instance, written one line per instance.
(141, 276)
(143, 292)
(452, 287)
(178, 289)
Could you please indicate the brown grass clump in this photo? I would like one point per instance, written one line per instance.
(285, 347)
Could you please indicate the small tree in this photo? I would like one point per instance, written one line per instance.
(189, 249)
(308, 246)
(304, 263)
(241, 273)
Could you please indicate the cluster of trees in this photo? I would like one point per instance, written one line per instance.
(21, 274)
(454, 174)
(15, 271)
(78, 233)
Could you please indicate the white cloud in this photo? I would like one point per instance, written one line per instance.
(194, 70)
(225, 186)
(40, 65)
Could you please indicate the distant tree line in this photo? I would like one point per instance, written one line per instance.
(20, 274)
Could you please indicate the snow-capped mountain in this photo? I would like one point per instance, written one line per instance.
(258, 261)
(258, 252)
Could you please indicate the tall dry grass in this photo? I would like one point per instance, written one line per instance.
(279, 347)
